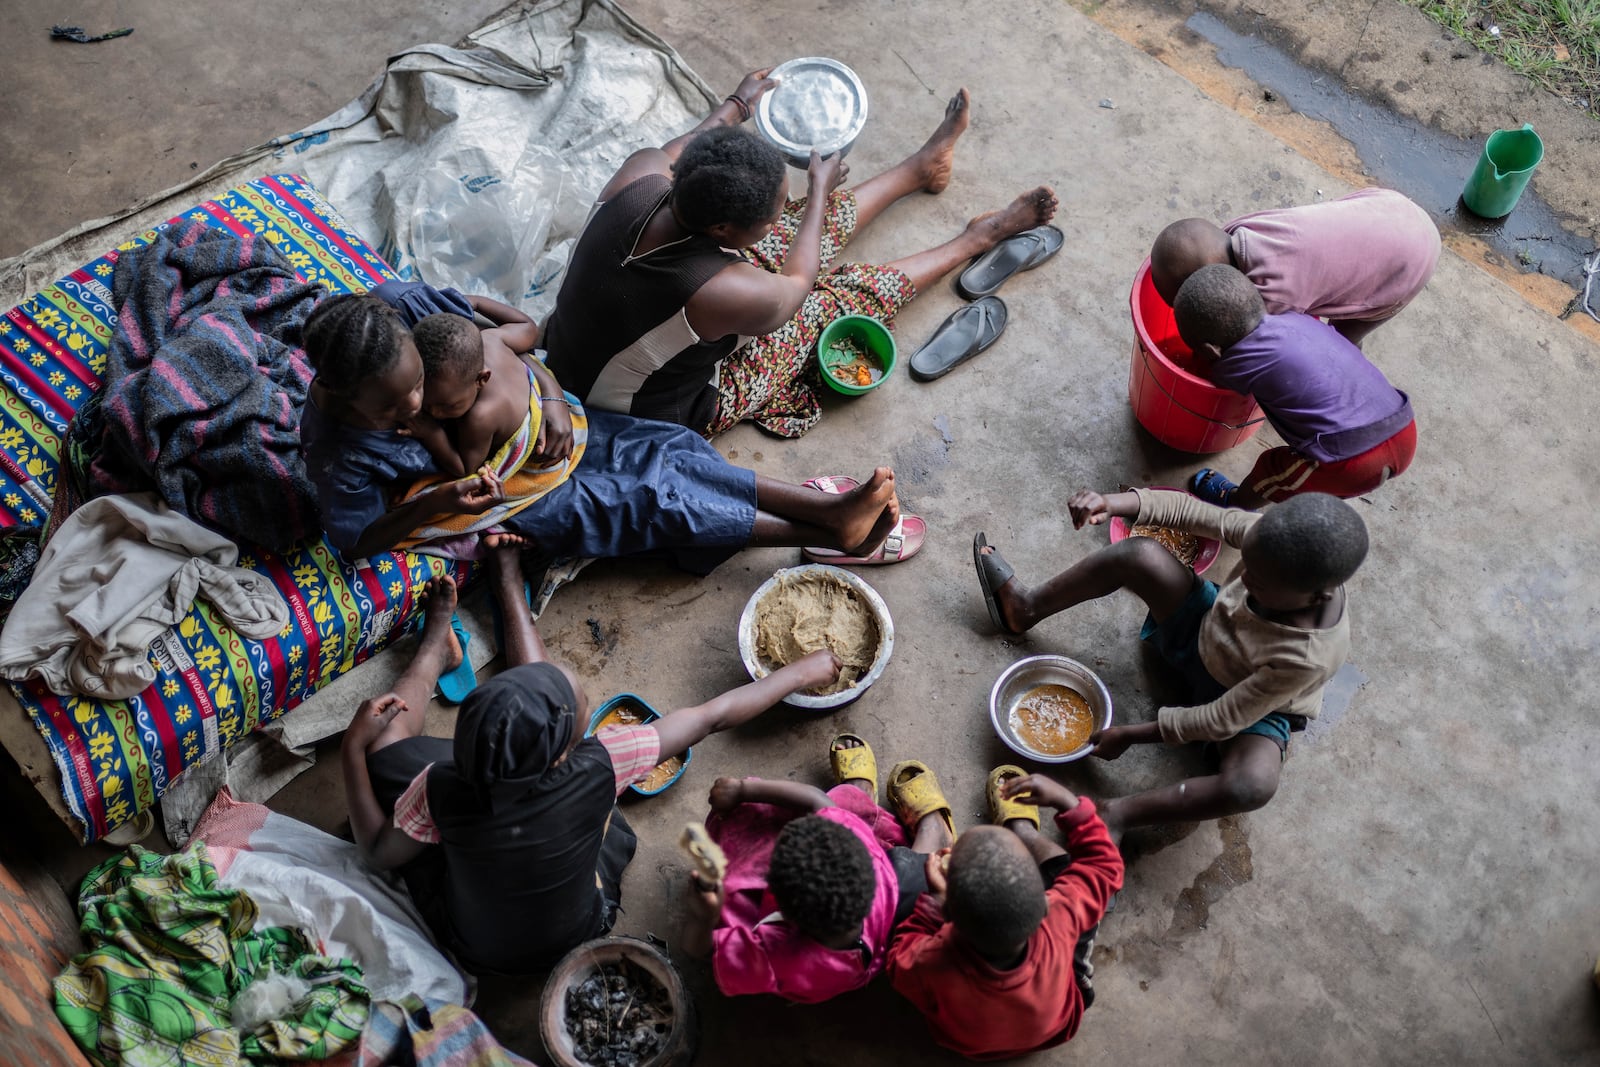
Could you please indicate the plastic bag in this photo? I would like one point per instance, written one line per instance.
(471, 205)
(480, 226)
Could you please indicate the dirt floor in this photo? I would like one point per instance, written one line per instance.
(1421, 889)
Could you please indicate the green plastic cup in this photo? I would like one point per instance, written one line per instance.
(1503, 171)
(873, 337)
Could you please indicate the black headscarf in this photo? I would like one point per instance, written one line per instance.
(522, 838)
(512, 729)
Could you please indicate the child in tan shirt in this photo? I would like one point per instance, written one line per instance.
(1256, 652)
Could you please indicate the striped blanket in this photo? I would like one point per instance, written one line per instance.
(523, 487)
(205, 383)
(212, 686)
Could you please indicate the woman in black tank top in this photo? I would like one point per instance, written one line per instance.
(698, 289)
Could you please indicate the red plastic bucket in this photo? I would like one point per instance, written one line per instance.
(1179, 409)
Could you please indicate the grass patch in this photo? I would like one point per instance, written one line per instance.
(1556, 43)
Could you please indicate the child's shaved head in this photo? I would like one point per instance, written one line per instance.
(451, 346)
(1311, 542)
(1183, 248)
(1216, 306)
(995, 894)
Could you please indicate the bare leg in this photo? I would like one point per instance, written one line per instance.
(1247, 779)
(926, 170)
(1137, 564)
(854, 522)
(437, 653)
(522, 640)
(931, 834)
(1040, 847)
(1033, 208)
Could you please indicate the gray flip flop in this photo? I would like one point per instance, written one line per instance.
(967, 331)
(1023, 251)
(993, 572)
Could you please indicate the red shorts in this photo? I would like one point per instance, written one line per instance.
(1282, 472)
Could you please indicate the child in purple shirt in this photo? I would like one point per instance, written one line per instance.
(1347, 429)
(816, 882)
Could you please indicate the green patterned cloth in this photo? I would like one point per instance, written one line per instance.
(169, 951)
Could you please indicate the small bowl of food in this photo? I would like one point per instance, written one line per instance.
(819, 103)
(1046, 707)
(800, 610)
(856, 354)
(627, 709)
(1193, 551)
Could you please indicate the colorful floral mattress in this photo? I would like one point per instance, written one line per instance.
(212, 686)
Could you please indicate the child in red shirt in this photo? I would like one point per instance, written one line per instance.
(988, 954)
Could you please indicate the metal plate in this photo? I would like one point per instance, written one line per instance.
(819, 103)
(816, 571)
(1014, 683)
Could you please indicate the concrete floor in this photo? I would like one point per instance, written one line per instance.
(1421, 889)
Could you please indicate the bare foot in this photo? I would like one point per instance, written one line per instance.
(860, 783)
(936, 158)
(437, 634)
(1009, 598)
(867, 513)
(501, 538)
(1033, 208)
(1111, 814)
(505, 554)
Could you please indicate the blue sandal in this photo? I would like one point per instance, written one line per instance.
(456, 685)
(1212, 486)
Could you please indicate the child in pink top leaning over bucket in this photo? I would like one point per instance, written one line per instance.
(1347, 429)
(816, 881)
(1355, 261)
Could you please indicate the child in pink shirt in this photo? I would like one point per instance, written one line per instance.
(1355, 261)
(815, 884)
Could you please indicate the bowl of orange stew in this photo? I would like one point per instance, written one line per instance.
(628, 709)
(1046, 707)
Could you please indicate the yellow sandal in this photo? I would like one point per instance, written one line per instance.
(857, 762)
(1002, 810)
(914, 792)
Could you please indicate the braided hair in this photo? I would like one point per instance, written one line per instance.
(350, 339)
(726, 175)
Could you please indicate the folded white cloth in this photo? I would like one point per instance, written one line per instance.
(117, 574)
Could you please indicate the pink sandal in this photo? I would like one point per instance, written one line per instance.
(903, 542)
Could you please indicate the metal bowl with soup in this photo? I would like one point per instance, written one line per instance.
(1046, 707)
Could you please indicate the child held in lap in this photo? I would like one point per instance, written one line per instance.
(996, 954)
(1348, 430)
(462, 423)
(817, 880)
(559, 481)
(1256, 653)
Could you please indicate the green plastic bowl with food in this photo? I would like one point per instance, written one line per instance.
(856, 354)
